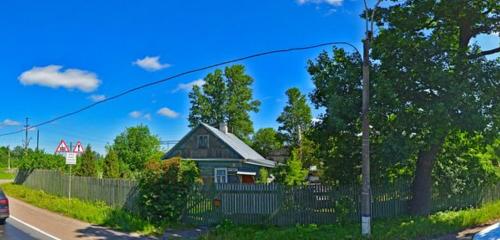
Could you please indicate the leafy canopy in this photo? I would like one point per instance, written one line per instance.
(135, 146)
(227, 97)
(266, 140)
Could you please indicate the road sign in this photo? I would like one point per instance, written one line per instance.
(71, 158)
(78, 148)
(62, 147)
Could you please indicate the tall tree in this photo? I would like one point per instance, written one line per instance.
(440, 81)
(135, 146)
(296, 117)
(111, 166)
(87, 163)
(227, 97)
(266, 140)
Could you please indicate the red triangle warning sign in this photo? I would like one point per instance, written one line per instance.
(62, 147)
(78, 148)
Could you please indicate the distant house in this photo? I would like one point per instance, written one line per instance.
(221, 156)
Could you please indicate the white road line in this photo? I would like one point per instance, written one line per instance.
(34, 228)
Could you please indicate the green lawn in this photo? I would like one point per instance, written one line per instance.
(401, 228)
(93, 212)
(6, 175)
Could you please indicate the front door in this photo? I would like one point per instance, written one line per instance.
(247, 179)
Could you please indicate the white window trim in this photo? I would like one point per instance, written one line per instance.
(215, 174)
(198, 141)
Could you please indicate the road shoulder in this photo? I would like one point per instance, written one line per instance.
(62, 227)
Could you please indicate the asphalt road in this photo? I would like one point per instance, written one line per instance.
(13, 230)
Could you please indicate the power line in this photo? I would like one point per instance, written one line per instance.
(176, 76)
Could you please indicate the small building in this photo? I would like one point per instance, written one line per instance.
(220, 155)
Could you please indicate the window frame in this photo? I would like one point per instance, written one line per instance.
(225, 176)
(198, 141)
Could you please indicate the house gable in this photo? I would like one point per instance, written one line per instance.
(188, 147)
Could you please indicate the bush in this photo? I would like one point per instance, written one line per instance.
(163, 188)
(41, 160)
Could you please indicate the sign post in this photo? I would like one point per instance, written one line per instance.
(70, 160)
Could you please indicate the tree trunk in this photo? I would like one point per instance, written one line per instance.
(422, 183)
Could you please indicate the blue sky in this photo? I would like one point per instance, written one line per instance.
(110, 46)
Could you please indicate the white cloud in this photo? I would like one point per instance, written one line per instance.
(167, 112)
(188, 86)
(9, 122)
(97, 97)
(330, 2)
(151, 63)
(54, 76)
(135, 114)
(139, 114)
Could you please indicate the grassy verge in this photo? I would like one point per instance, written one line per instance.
(93, 212)
(6, 175)
(401, 228)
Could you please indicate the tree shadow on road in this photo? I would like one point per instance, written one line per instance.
(97, 232)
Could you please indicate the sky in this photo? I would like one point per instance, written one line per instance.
(58, 56)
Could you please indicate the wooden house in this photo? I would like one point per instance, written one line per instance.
(220, 155)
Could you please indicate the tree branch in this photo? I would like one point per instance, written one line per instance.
(487, 52)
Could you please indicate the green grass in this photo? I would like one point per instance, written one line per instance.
(93, 212)
(6, 175)
(400, 228)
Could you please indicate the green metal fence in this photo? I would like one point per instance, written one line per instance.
(315, 204)
(114, 192)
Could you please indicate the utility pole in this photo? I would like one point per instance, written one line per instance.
(26, 140)
(365, 145)
(8, 157)
(366, 210)
(37, 139)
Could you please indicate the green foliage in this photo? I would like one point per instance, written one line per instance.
(338, 91)
(263, 175)
(266, 140)
(111, 167)
(294, 173)
(135, 146)
(400, 228)
(42, 160)
(296, 117)
(86, 165)
(163, 188)
(227, 97)
(92, 212)
(466, 163)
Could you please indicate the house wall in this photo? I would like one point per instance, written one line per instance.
(207, 169)
(188, 148)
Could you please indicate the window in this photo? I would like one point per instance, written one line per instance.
(220, 175)
(203, 141)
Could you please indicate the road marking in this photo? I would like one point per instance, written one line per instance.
(34, 228)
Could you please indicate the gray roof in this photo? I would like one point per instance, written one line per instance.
(240, 147)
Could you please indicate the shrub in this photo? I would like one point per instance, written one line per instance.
(41, 160)
(163, 188)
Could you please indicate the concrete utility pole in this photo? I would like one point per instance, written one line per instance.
(365, 126)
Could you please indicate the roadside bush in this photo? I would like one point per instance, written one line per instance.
(163, 188)
(41, 160)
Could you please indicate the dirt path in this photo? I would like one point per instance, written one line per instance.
(62, 227)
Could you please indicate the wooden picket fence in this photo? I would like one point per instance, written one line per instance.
(114, 192)
(273, 204)
(314, 204)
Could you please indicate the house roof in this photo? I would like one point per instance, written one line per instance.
(246, 152)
